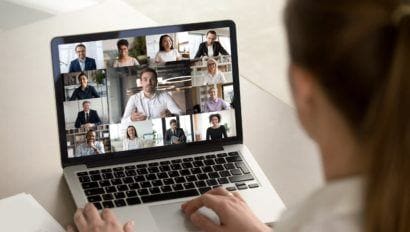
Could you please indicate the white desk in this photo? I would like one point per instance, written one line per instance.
(30, 160)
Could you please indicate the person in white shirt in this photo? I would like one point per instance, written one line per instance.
(90, 147)
(149, 103)
(213, 76)
(123, 58)
(167, 52)
(131, 140)
(349, 77)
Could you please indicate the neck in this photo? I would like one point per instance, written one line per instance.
(149, 94)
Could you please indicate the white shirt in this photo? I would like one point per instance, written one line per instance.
(129, 144)
(163, 56)
(218, 78)
(150, 107)
(82, 64)
(130, 62)
(210, 51)
(336, 207)
(85, 150)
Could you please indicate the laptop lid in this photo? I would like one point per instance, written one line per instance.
(146, 93)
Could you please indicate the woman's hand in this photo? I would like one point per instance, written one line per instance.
(88, 219)
(234, 214)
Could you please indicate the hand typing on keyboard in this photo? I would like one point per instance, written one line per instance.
(233, 212)
(88, 219)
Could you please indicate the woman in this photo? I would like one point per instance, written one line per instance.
(213, 76)
(85, 91)
(216, 131)
(166, 52)
(349, 73)
(132, 141)
(90, 147)
(123, 58)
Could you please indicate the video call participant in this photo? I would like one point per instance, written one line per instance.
(214, 103)
(149, 103)
(123, 58)
(87, 118)
(174, 135)
(82, 63)
(213, 76)
(90, 147)
(132, 141)
(210, 47)
(85, 91)
(216, 131)
(166, 52)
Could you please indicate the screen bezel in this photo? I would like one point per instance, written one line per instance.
(153, 152)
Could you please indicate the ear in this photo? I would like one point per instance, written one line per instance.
(303, 88)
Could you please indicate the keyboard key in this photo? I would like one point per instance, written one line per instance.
(139, 178)
(207, 169)
(164, 168)
(233, 159)
(119, 195)
(220, 160)
(202, 176)
(231, 188)
(153, 164)
(236, 172)
(162, 175)
(218, 167)
(176, 161)
(106, 170)
(223, 180)
(84, 179)
(130, 172)
(154, 190)
(120, 203)
(241, 165)
(133, 186)
(241, 178)
(117, 169)
(89, 185)
(209, 162)
(200, 184)
(211, 182)
(142, 171)
(173, 174)
(188, 185)
(110, 189)
(253, 185)
(128, 180)
(153, 169)
(141, 165)
(94, 191)
(204, 190)
(130, 167)
(177, 187)
(122, 187)
(169, 196)
(133, 201)
(229, 166)
(224, 173)
(234, 153)
(119, 174)
(131, 193)
(187, 165)
(166, 162)
(156, 183)
(191, 178)
(142, 192)
(94, 172)
(105, 183)
(168, 181)
(166, 189)
(176, 167)
(145, 184)
(97, 205)
(187, 159)
(222, 155)
(180, 180)
(94, 198)
(210, 156)
(213, 175)
(107, 176)
(108, 197)
(242, 187)
(199, 158)
(82, 173)
(198, 163)
(196, 171)
(116, 181)
(151, 177)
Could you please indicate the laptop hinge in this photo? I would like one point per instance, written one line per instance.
(138, 158)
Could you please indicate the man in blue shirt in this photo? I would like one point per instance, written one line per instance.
(82, 63)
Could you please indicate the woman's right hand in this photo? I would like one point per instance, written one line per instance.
(234, 214)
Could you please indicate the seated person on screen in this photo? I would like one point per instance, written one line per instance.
(174, 135)
(87, 118)
(214, 103)
(210, 47)
(82, 63)
(149, 103)
(85, 91)
(132, 141)
(90, 147)
(213, 76)
(216, 131)
(166, 52)
(123, 58)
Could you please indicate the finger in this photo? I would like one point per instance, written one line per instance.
(70, 228)
(108, 215)
(208, 200)
(193, 205)
(79, 220)
(203, 222)
(129, 226)
(238, 195)
(91, 214)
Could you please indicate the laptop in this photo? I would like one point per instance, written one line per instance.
(149, 118)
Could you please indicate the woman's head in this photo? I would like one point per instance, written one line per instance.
(131, 132)
(166, 43)
(122, 46)
(215, 119)
(82, 79)
(212, 65)
(357, 54)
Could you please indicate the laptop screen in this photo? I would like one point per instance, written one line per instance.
(155, 90)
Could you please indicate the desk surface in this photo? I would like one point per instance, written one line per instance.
(30, 160)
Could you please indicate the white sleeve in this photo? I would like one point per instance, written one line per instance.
(100, 147)
(126, 118)
(223, 80)
(158, 58)
(177, 55)
(171, 104)
(124, 145)
(135, 61)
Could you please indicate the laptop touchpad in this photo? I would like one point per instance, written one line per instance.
(169, 217)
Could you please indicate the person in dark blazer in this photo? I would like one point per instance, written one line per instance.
(87, 118)
(210, 47)
(84, 91)
(82, 63)
(174, 135)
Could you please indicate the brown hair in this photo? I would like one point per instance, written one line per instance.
(360, 56)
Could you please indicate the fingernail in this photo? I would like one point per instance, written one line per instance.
(132, 223)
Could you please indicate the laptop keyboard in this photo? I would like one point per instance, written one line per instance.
(165, 180)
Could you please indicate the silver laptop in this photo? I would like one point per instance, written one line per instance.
(150, 118)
